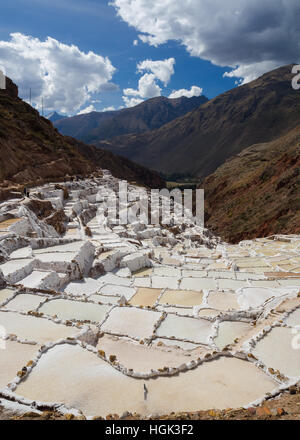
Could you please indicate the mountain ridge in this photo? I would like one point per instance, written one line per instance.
(203, 139)
(54, 117)
(148, 115)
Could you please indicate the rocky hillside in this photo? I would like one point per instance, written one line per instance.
(32, 151)
(199, 142)
(257, 193)
(149, 115)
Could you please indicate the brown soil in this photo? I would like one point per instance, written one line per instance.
(256, 194)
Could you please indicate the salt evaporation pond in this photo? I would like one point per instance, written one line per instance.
(139, 357)
(101, 390)
(145, 297)
(34, 279)
(131, 322)
(188, 346)
(184, 311)
(276, 351)
(5, 294)
(25, 302)
(228, 331)
(179, 292)
(223, 301)
(14, 265)
(208, 313)
(193, 330)
(13, 358)
(34, 329)
(182, 298)
(294, 319)
(75, 310)
(87, 286)
(104, 299)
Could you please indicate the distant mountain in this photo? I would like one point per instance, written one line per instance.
(53, 117)
(33, 152)
(199, 142)
(148, 115)
(256, 193)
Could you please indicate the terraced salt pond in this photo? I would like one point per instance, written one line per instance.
(224, 301)
(173, 343)
(114, 300)
(34, 279)
(182, 298)
(131, 322)
(13, 359)
(102, 389)
(256, 297)
(34, 329)
(75, 310)
(196, 330)
(184, 311)
(229, 331)
(25, 303)
(136, 304)
(294, 319)
(15, 265)
(140, 357)
(277, 352)
(145, 297)
(84, 287)
(5, 294)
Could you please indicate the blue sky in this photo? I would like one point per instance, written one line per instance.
(93, 25)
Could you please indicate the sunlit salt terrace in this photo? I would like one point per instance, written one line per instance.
(91, 316)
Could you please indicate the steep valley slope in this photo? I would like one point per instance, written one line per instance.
(199, 142)
(32, 151)
(256, 193)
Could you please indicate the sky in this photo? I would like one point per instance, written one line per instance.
(94, 55)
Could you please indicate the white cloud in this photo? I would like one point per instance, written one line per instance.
(248, 36)
(109, 109)
(195, 91)
(250, 72)
(131, 102)
(136, 42)
(89, 109)
(148, 88)
(162, 70)
(63, 75)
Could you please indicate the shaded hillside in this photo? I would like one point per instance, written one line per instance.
(199, 142)
(148, 115)
(32, 151)
(257, 193)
